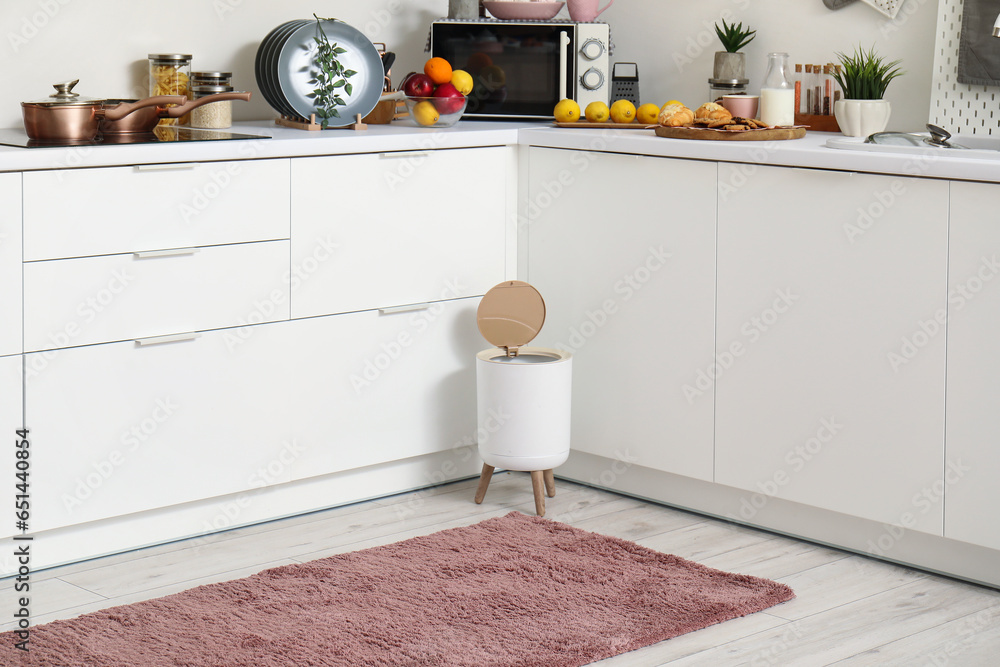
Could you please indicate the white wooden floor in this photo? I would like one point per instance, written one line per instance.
(849, 610)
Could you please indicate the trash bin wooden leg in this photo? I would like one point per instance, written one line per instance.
(550, 483)
(538, 486)
(484, 482)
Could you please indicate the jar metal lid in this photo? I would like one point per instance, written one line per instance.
(729, 82)
(209, 90)
(171, 57)
(211, 75)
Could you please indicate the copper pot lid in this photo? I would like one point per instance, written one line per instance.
(510, 315)
(64, 96)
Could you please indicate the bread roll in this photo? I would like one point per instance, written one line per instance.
(712, 111)
(675, 115)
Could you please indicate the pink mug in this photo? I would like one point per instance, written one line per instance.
(585, 10)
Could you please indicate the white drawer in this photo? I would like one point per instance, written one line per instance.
(80, 212)
(397, 228)
(123, 428)
(118, 297)
(10, 264)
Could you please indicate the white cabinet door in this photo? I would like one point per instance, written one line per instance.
(117, 297)
(622, 249)
(373, 387)
(80, 212)
(831, 340)
(973, 433)
(10, 264)
(396, 228)
(127, 427)
(10, 421)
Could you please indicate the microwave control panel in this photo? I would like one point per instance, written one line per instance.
(592, 63)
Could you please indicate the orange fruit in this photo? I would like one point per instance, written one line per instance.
(438, 69)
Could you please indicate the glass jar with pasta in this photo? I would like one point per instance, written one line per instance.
(170, 74)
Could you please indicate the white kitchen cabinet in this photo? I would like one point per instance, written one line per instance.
(831, 341)
(117, 297)
(127, 427)
(387, 229)
(10, 421)
(10, 264)
(373, 387)
(80, 212)
(622, 249)
(972, 454)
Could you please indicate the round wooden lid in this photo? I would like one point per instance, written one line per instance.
(511, 314)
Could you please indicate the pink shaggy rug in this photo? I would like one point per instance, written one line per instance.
(516, 590)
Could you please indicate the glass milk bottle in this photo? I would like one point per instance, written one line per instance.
(777, 94)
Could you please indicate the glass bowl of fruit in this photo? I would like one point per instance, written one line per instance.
(438, 111)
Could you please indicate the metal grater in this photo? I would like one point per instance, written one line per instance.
(625, 87)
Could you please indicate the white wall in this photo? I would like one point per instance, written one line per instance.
(104, 43)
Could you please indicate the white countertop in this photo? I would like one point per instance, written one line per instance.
(808, 152)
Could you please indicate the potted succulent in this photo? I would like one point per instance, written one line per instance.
(864, 76)
(731, 64)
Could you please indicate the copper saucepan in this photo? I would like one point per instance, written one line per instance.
(66, 116)
(145, 120)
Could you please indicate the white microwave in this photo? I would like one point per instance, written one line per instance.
(521, 69)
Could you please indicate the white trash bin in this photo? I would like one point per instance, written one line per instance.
(523, 393)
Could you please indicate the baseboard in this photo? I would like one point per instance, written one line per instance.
(893, 544)
(82, 542)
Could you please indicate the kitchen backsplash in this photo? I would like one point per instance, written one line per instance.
(104, 43)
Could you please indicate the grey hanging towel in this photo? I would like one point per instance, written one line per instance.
(978, 49)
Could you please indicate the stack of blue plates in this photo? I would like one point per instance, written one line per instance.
(285, 68)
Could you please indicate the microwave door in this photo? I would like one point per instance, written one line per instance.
(519, 70)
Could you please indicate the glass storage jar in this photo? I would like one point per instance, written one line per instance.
(170, 74)
(214, 115)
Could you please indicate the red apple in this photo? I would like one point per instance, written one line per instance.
(447, 99)
(418, 85)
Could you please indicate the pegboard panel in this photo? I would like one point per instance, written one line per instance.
(959, 107)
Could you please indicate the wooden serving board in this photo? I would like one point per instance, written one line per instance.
(768, 134)
(594, 126)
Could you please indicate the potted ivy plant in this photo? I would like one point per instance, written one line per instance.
(864, 77)
(731, 64)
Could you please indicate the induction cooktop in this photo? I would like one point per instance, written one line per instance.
(164, 134)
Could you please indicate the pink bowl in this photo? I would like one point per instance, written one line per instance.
(512, 10)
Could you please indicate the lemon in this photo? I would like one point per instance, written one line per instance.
(567, 111)
(597, 112)
(425, 113)
(673, 102)
(623, 111)
(462, 80)
(647, 113)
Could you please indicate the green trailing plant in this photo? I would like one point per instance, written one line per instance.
(865, 75)
(330, 76)
(734, 36)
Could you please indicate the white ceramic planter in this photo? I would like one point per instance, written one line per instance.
(860, 118)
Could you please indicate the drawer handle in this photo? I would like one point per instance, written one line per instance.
(404, 309)
(178, 166)
(401, 156)
(160, 340)
(174, 252)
